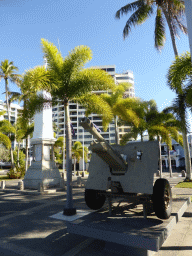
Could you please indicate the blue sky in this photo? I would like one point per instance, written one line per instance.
(91, 23)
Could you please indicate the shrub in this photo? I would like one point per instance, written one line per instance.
(17, 173)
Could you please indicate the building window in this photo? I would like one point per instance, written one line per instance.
(110, 69)
(72, 107)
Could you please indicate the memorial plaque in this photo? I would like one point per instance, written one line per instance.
(38, 152)
(46, 151)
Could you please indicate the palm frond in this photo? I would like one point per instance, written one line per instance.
(89, 80)
(95, 104)
(128, 8)
(160, 130)
(126, 114)
(5, 140)
(73, 64)
(127, 137)
(188, 93)
(160, 35)
(174, 133)
(137, 18)
(6, 127)
(179, 72)
(181, 26)
(53, 56)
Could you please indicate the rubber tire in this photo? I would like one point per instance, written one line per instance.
(161, 208)
(93, 199)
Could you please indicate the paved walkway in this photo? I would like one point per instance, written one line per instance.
(27, 229)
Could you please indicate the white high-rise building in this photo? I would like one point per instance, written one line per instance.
(77, 112)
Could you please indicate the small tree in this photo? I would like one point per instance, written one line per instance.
(77, 151)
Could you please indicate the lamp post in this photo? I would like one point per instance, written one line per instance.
(83, 151)
(64, 148)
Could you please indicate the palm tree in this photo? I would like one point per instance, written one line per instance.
(117, 105)
(58, 148)
(77, 150)
(157, 124)
(178, 108)
(167, 11)
(177, 77)
(165, 126)
(66, 80)
(7, 72)
(5, 127)
(25, 130)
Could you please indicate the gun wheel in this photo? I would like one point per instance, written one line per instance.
(94, 200)
(162, 199)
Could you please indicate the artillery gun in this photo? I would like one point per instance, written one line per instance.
(127, 172)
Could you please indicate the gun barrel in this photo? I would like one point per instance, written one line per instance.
(88, 126)
(103, 149)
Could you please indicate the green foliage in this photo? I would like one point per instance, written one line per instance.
(159, 30)
(58, 150)
(179, 72)
(17, 173)
(171, 12)
(5, 128)
(184, 185)
(4, 154)
(77, 150)
(21, 157)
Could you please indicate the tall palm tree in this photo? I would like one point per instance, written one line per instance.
(167, 11)
(178, 75)
(178, 108)
(7, 72)
(66, 80)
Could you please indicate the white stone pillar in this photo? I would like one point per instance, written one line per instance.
(43, 169)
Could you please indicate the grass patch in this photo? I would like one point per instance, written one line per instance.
(4, 177)
(184, 185)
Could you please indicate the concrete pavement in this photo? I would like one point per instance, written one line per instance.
(28, 229)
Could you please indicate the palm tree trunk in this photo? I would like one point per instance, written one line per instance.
(187, 155)
(141, 136)
(18, 148)
(74, 165)
(116, 131)
(185, 141)
(169, 161)
(68, 210)
(166, 13)
(9, 119)
(26, 154)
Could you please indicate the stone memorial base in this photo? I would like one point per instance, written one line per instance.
(45, 172)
